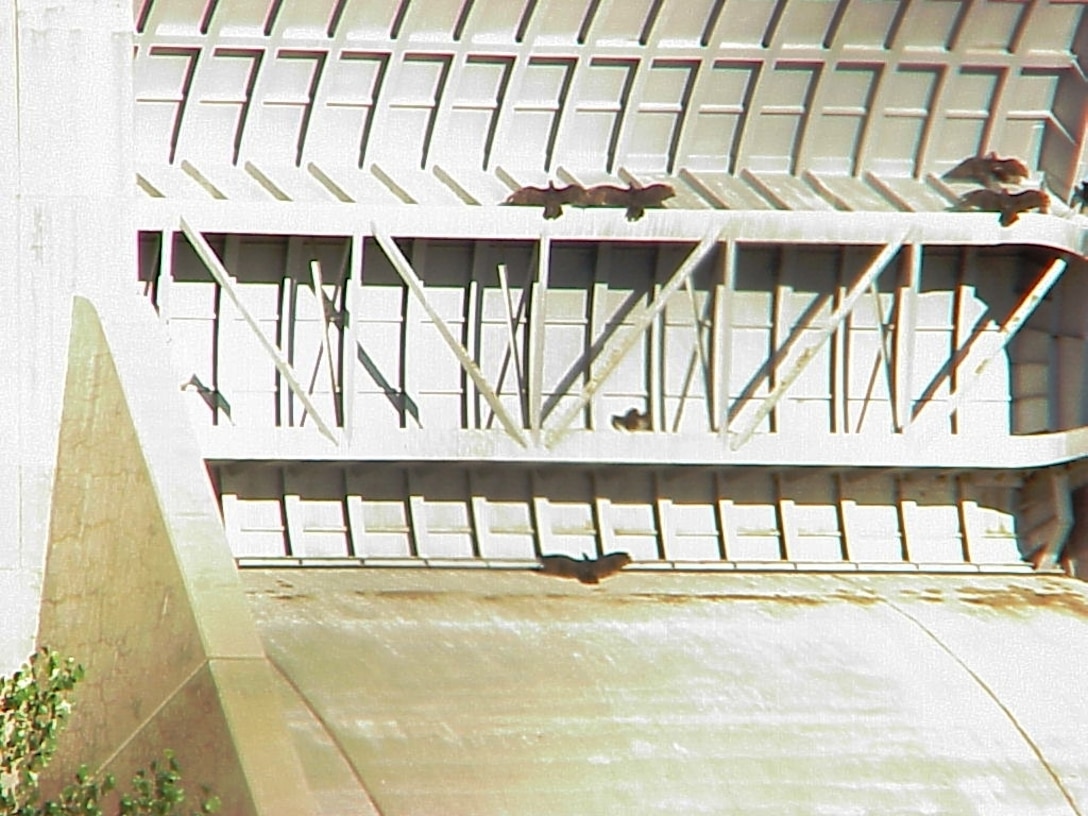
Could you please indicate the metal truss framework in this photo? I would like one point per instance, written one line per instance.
(541, 422)
(229, 285)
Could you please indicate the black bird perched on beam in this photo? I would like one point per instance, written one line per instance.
(633, 420)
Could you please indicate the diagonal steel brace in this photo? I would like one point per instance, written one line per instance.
(867, 278)
(613, 354)
(1020, 314)
(412, 281)
(229, 286)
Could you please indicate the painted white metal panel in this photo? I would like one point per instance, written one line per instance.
(254, 527)
(600, 94)
(253, 512)
(655, 124)
(570, 528)
(871, 520)
(773, 135)
(752, 523)
(247, 377)
(430, 21)
(466, 136)
(380, 401)
(316, 513)
(360, 20)
(686, 349)
(800, 518)
(381, 527)
(192, 315)
(836, 139)
(343, 111)
(280, 125)
(492, 21)
(629, 512)
(990, 514)
(719, 113)
(505, 524)
(624, 283)
(403, 131)
(811, 521)
(446, 508)
(932, 523)
(692, 516)
(301, 19)
(438, 379)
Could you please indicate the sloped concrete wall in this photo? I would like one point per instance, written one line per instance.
(506, 692)
(140, 587)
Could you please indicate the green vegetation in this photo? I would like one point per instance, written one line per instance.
(34, 706)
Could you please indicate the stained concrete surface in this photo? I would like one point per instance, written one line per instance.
(502, 692)
(141, 589)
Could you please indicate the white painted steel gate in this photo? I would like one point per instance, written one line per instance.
(386, 366)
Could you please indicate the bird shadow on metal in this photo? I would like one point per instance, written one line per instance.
(211, 396)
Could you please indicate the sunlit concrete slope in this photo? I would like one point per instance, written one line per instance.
(502, 692)
(140, 588)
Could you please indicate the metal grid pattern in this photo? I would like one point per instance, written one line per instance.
(849, 105)
(665, 518)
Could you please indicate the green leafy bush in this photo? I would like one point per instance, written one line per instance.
(34, 706)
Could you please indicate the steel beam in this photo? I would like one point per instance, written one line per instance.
(906, 325)
(840, 366)
(165, 279)
(472, 334)
(537, 310)
(352, 308)
(597, 309)
(511, 336)
(864, 281)
(883, 361)
(523, 385)
(656, 402)
(408, 275)
(1024, 309)
(285, 322)
(699, 323)
(326, 347)
(228, 285)
(723, 335)
(698, 357)
(612, 355)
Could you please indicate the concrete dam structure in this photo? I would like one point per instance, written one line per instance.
(327, 320)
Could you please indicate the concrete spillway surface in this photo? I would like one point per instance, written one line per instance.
(513, 693)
